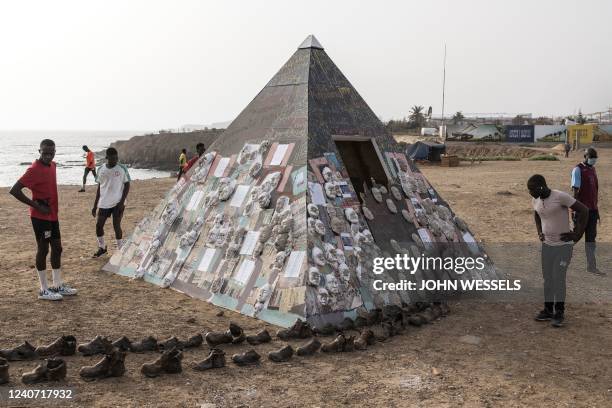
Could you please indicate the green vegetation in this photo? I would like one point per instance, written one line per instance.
(490, 158)
(545, 157)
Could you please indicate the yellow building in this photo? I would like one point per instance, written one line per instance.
(584, 134)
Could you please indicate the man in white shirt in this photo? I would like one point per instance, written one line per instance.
(113, 187)
(551, 213)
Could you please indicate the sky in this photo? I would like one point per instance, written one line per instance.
(109, 65)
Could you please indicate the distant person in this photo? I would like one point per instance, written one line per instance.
(90, 166)
(567, 147)
(40, 179)
(586, 189)
(182, 163)
(551, 213)
(113, 188)
(200, 149)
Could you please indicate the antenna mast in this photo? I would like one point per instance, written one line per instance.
(443, 83)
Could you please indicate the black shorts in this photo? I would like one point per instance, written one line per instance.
(107, 212)
(45, 229)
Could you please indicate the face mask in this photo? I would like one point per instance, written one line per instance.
(591, 161)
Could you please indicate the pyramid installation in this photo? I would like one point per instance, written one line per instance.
(284, 215)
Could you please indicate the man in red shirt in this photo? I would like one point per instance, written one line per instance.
(40, 179)
(90, 166)
(200, 148)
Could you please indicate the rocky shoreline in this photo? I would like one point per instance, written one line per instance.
(161, 151)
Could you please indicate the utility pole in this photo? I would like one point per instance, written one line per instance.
(442, 131)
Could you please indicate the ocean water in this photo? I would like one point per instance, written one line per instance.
(20, 148)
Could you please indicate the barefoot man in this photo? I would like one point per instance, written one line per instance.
(113, 188)
(40, 179)
(551, 213)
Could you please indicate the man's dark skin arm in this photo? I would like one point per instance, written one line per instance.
(126, 190)
(95, 206)
(582, 215)
(538, 223)
(16, 191)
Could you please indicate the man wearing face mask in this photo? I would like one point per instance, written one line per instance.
(551, 213)
(585, 187)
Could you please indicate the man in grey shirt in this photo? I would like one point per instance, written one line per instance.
(551, 213)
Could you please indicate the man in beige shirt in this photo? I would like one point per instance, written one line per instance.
(551, 213)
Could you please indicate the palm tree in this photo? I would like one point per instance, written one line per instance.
(416, 115)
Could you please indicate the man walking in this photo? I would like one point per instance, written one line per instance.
(40, 179)
(586, 188)
(113, 188)
(200, 149)
(182, 163)
(551, 213)
(90, 166)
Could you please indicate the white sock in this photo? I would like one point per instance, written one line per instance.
(57, 277)
(119, 243)
(42, 276)
(101, 243)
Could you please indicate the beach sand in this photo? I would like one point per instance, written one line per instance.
(518, 361)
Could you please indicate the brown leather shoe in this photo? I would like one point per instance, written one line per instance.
(147, 344)
(99, 345)
(123, 343)
(259, 338)
(365, 339)
(336, 346)
(24, 351)
(111, 365)
(168, 363)
(63, 346)
(309, 348)
(281, 355)
(52, 369)
(299, 330)
(216, 359)
(213, 339)
(4, 371)
(247, 358)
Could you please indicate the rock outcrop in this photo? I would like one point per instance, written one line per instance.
(161, 151)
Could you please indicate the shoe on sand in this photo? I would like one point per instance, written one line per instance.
(213, 339)
(544, 316)
(24, 351)
(335, 346)
(259, 338)
(49, 295)
(111, 365)
(99, 345)
(216, 359)
(309, 348)
(147, 344)
(281, 355)
(247, 358)
(53, 369)
(100, 252)
(123, 343)
(64, 290)
(168, 363)
(4, 371)
(63, 346)
(299, 330)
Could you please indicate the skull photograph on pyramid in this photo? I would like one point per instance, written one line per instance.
(285, 214)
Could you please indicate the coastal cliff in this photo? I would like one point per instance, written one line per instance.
(161, 151)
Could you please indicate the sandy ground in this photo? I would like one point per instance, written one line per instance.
(518, 361)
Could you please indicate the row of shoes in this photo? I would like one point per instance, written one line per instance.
(393, 320)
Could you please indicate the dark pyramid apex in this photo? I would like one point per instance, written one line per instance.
(310, 42)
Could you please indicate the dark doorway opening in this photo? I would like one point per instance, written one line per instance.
(361, 163)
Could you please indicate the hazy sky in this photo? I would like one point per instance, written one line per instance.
(160, 64)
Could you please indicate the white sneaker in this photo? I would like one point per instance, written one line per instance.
(64, 290)
(49, 295)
